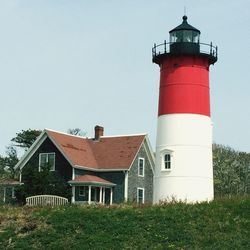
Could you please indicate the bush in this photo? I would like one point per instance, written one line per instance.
(39, 183)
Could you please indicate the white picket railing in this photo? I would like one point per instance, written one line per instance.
(43, 200)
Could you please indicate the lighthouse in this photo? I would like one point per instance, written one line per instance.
(184, 166)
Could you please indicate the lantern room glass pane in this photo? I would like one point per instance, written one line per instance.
(179, 36)
(196, 37)
(187, 36)
(173, 37)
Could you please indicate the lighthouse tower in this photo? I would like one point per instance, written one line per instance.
(184, 169)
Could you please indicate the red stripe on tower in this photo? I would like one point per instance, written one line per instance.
(184, 86)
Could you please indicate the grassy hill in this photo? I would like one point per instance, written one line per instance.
(222, 224)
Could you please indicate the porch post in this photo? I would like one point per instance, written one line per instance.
(20, 177)
(89, 198)
(100, 195)
(73, 194)
(103, 195)
(13, 192)
(126, 187)
(111, 196)
(4, 194)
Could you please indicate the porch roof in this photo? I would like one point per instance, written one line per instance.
(10, 182)
(90, 180)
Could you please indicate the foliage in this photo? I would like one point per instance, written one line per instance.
(43, 182)
(221, 224)
(231, 171)
(26, 138)
(23, 139)
(2, 166)
(8, 163)
(11, 160)
(76, 131)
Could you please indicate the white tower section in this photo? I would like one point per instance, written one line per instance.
(185, 140)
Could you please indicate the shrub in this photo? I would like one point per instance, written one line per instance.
(39, 183)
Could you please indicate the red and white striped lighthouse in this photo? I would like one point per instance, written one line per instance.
(184, 169)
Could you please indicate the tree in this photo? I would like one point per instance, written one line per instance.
(43, 182)
(26, 138)
(76, 131)
(2, 166)
(231, 171)
(8, 163)
(23, 139)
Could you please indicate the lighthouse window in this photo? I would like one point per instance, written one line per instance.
(141, 166)
(167, 161)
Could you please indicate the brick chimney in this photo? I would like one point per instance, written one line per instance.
(98, 132)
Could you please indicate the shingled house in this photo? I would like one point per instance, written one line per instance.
(103, 169)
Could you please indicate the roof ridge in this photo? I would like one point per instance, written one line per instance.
(85, 137)
(64, 133)
(131, 135)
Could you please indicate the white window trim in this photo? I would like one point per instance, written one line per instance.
(54, 167)
(143, 195)
(143, 171)
(163, 153)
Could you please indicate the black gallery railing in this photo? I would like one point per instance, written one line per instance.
(164, 48)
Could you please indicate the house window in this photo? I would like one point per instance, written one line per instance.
(140, 195)
(47, 159)
(141, 166)
(83, 191)
(167, 161)
(13, 193)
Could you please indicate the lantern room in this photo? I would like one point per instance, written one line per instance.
(184, 40)
(184, 33)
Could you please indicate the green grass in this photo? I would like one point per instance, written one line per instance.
(222, 224)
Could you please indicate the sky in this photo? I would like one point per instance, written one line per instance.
(79, 63)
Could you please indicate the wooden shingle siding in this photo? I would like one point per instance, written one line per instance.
(135, 181)
(114, 177)
(61, 164)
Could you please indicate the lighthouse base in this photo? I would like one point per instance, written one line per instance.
(185, 189)
(186, 140)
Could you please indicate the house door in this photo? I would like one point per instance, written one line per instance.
(107, 196)
(95, 194)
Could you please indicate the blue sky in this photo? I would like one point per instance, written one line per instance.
(67, 64)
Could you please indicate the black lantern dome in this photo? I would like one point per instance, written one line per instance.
(184, 40)
(184, 33)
